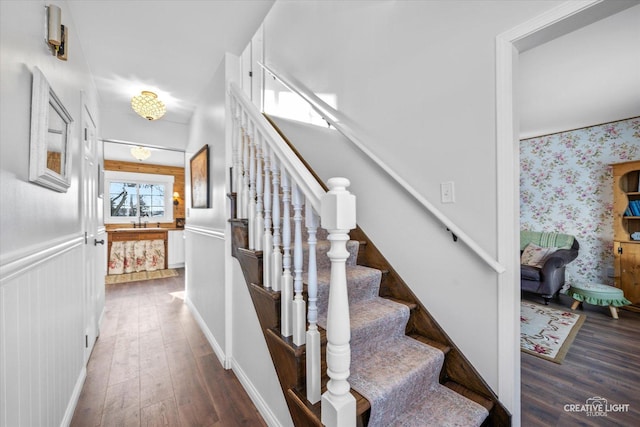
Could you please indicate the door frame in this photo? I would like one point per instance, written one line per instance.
(566, 17)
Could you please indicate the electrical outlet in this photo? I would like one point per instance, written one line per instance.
(447, 192)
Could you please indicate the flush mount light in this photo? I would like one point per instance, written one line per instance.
(148, 105)
(140, 153)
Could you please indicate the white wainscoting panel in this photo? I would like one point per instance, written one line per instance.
(41, 335)
(204, 281)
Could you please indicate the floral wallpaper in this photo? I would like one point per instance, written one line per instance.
(566, 186)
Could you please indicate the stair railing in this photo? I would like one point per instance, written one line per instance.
(260, 154)
(339, 122)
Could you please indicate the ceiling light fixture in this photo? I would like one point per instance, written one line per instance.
(148, 105)
(140, 153)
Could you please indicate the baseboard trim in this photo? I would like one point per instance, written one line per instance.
(230, 363)
(101, 319)
(75, 397)
(207, 333)
(255, 396)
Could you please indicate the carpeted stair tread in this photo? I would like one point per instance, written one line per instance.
(440, 346)
(322, 247)
(397, 374)
(442, 407)
(409, 305)
(363, 283)
(469, 394)
(373, 322)
(404, 368)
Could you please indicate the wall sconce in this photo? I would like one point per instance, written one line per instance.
(176, 197)
(56, 32)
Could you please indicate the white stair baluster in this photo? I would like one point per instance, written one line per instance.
(338, 216)
(299, 306)
(252, 188)
(276, 256)
(236, 183)
(286, 295)
(259, 219)
(313, 336)
(267, 244)
(234, 143)
(245, 174)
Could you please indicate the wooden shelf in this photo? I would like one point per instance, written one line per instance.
(626, 179)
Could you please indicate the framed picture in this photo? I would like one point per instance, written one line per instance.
(179, 222)
(200, 178)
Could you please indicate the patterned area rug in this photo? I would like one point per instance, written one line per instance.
(141, 275)
(547, 332)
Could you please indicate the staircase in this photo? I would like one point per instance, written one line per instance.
(404, 370)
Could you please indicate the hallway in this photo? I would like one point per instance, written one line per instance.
(152, 365)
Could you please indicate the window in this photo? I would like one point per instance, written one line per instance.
(138, 197)
(281, 102)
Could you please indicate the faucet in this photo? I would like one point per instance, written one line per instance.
(139, 224)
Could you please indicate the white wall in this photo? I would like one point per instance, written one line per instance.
(41, 280)
(205, 228)
(418, 78)
(216, 289)
(23, 48)
(588, 77)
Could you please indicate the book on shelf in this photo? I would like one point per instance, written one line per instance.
(634, 207)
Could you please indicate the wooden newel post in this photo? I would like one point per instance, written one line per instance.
(338, 216)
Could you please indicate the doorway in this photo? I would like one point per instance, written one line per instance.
(561, 20)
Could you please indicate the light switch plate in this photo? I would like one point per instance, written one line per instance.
(447, 192)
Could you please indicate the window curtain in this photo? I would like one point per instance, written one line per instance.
(136, 255)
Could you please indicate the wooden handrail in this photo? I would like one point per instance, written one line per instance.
(338, 121)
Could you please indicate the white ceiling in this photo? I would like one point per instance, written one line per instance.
(169, 47)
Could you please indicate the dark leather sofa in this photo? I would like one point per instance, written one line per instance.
(547, 280)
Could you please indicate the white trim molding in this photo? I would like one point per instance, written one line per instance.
(207, 333)
(209, 232)
(18, 262)
(261, 405)
(75, 397)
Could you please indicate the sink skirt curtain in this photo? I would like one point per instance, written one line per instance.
(136, 255)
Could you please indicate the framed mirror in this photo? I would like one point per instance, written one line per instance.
(50, 157)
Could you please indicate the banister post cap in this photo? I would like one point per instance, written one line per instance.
(338, 184)
(338, 206)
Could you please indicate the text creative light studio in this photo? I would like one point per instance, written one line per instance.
(596, 407)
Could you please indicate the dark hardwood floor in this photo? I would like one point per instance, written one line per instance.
(152, 366)
(603, 361)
